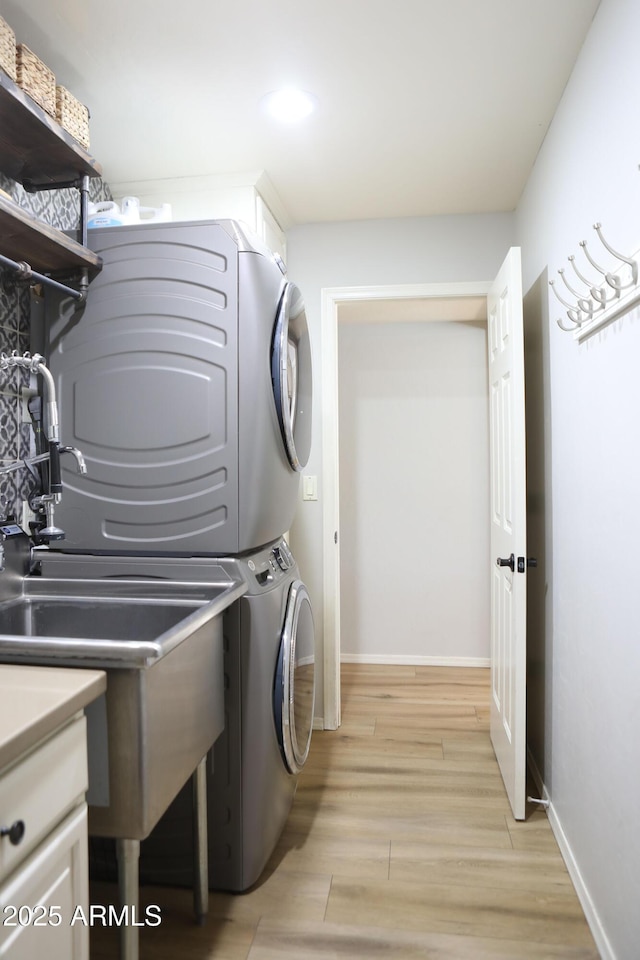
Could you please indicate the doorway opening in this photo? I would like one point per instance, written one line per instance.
(427, 303)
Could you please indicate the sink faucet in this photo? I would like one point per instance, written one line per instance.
(53, 494)
(82, 466)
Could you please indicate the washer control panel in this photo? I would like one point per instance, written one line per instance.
(271, 564)
(281, 554)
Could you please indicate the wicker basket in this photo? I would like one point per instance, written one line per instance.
(7, 49)
(36, 79)
(72, 115)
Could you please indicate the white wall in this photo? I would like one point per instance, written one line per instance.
(404, 251)
(587, 171)
(414, 492)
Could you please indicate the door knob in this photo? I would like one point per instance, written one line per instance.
(510, 562)
(15, 832)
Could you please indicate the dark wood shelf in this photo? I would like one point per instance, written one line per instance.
(33, 146)
(45, 249)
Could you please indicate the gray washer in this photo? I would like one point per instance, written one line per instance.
(253, 766)
(186, 382)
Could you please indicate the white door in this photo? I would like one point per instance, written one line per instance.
(508, 529)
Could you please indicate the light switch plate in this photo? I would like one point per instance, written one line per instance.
(309, 488)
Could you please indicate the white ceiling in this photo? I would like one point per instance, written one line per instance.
(426, 106)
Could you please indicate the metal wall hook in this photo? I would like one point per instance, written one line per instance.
(608, 298)
(569, 306)
(587, 307)
(610, 278)
(584, 306)
(572, 261)
(589, 283)
(599, 294)
(575, 293)
(619, 256)
(565, 328)
(614, 281)
(573, 311)
(583, 244)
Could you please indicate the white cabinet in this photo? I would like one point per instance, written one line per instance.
(44, 878)
(45, 902)
(249, 198)
(269, 230)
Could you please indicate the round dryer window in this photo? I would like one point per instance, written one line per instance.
(294, 693)
(291, 375)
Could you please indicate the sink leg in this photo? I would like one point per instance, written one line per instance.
(200, 847)
(128, 854)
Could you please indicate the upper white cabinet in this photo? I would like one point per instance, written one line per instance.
(248, 198)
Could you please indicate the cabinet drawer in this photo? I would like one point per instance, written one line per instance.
(46, 893)
(41, 789)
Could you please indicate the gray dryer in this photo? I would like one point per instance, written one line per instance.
(185, 380)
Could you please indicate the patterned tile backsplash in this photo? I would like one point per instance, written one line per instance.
(60, 209)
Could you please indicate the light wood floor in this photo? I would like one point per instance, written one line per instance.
(400, 844)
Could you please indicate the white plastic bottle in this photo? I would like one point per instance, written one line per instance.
(106, 213)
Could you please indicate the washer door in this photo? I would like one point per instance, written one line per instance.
(291, 376)
(294, 692)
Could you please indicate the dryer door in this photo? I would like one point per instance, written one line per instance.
(294, 693)
(291, 375)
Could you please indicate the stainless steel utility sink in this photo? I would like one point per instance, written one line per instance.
(160, 642)
(106, 622)
(92, 619)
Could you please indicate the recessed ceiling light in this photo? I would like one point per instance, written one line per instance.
(289, 105)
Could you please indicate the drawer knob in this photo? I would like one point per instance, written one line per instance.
(15, 832)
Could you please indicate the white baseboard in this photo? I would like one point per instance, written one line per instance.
(318, 722)
(411, 661)
(591, 914)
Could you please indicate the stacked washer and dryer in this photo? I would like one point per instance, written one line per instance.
(185, 380)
